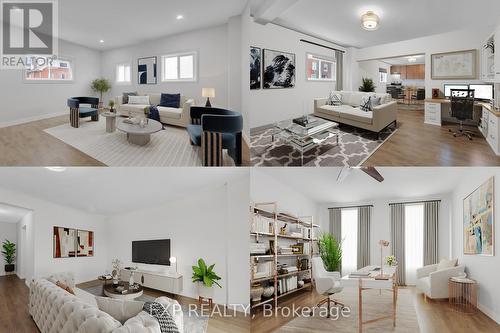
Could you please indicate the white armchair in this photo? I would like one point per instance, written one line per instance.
(327, 283)
(434, 283)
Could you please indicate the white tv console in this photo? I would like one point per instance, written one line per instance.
(167, 282)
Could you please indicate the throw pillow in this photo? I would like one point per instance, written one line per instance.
(126, 95)
(335, 99)
(64, 286)
(375, 101)
(170, 100)
(445, 264)
(138, 100)
(121, 310)
(366, 104)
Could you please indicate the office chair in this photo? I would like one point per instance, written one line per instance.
(462, 108)
(327, 284)
(419, 95)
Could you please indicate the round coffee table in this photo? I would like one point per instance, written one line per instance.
(138, 135)
(129, 294)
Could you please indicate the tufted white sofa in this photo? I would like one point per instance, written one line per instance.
(54, 310)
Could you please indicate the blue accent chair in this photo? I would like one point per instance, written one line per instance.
(77, 111)
(214, 130)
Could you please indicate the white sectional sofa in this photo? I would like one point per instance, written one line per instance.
(172, 116)
(55, 310)
(349, 112)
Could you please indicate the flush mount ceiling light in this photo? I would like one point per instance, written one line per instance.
(370, 21)
(180, 17)
(101, 41)
(56, 169)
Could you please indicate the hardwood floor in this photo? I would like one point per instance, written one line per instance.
(418, 144)
(29, 145)
(433, 316)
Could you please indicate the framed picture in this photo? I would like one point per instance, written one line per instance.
(298, 248)
(64, 242)
(279, 70)
(479, 221)
(147, 70)
(461, 65)
(255, 68)
(85, 243)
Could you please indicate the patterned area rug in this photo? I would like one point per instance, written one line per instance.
(192, 323)
(374, 306)
(355, 146)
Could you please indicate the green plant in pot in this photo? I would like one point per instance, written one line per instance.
(205, 277)
(111, 106)
(330, 251)
(9, 253)
(100, 86)
(367, 85)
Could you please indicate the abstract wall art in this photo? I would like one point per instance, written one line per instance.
(64, 240)
(146, 69)
(478, 221)
(85, 243)
(255, 68)
(279, 70)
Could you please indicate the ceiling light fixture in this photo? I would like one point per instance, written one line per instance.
(370, 21)
(180, 17)
(56, 169)
(101, 41)
(412, 59)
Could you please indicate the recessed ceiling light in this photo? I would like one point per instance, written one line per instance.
(180, 17)
(101, 41)
(370, 21)
(56, 169)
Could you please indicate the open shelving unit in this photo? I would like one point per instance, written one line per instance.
(280, 236)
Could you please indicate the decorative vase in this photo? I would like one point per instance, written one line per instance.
(268, 292)
(131, 281)
(204, 291)
(256, 292)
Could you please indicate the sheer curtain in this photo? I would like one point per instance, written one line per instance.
(414, 241)
(350, 240)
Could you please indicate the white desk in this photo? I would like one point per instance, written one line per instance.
(366, 283)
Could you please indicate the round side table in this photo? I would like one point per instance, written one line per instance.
(463, 295)
(110, 121)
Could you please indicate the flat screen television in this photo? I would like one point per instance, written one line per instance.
(449, 87)
(483, 91)
(153, 252)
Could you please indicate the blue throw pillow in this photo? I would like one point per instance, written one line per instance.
(170, 100)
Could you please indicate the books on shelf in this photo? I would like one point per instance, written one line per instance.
(287, 284)
(262, 224)
(258, 248)
(263, 270)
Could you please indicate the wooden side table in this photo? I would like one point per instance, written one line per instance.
(463, 295)
(202, 300)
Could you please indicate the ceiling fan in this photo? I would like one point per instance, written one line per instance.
(370, 171)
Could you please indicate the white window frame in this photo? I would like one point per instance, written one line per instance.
(382, 76)
(178, 56)
(48, 81)
(321, 59)
(123, 83)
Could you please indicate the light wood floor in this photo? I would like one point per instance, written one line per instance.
(433, 316)
(29, 145)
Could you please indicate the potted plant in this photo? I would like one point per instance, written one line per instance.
(205, 278)
(367, 85)
(391, 261)
(9, 252)
(111, 106)
(100, 86)
(330, 251)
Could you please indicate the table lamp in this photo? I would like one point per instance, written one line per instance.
(208, 93)
(173, 260)
(381, 276)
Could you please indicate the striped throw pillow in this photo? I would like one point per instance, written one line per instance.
(366, 104)
(335, 99)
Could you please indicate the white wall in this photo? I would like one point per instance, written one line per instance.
(448, 42)
(370, 69)
(211, 224)
(45, 216)
(212, 47)
(26, 249)
(481, 268)
(8, 231)
(23, 102)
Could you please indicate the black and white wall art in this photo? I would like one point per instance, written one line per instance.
(146, 69)
(279, 70)
(255, 67)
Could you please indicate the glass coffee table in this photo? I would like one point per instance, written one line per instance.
(304, 138)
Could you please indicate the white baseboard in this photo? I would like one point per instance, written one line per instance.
(489, 313)
(30, 119)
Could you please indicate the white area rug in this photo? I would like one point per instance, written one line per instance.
(169, 147)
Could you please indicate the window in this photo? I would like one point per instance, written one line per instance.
(349, 220)
(180, 67)
(56, 70)
(123, 73)
(414, 241)
(320, 68)
(382, 75)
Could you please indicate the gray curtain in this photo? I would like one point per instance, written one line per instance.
(431, 222)
(364, 222)
(398, 240)
(336, 223)
(339, 56)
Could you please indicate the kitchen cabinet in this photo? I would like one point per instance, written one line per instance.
(497, 55)
(409, 72)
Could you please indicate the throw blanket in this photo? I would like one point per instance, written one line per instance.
(160, 313)
(154, 114)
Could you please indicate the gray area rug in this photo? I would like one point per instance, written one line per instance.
(374, 306)
(192, 324)
(355, 146)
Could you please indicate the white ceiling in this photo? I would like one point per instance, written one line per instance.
(339, 20)
(11, 214)
(320, 184)
(404, 60)
(110, 191)
(126, 22)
